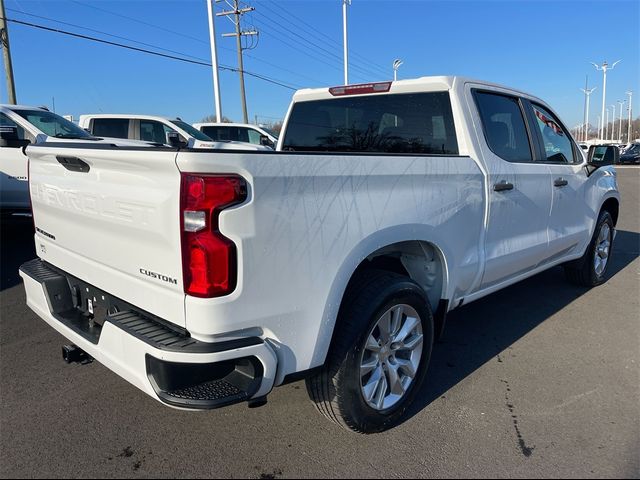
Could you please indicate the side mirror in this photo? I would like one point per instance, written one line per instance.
(9, 137)
(264, 140)
(173, 139)
(601, 156)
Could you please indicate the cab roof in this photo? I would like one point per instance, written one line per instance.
(422, 84)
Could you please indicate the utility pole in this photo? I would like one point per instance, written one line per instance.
(214, 61)
(6, 53)
(587, 94)
(630, 93)
(620, 102)
(239, 33)
(604, 67)
(346, 50)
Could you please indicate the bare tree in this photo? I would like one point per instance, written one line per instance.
(214, 119)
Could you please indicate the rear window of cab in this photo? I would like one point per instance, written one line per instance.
(420, 123)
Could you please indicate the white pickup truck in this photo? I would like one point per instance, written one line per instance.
(206, 278)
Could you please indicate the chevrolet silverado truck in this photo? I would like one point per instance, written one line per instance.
(207, 278)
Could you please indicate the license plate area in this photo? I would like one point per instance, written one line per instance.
(79, 305)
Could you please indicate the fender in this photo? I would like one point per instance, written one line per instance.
(370, 244)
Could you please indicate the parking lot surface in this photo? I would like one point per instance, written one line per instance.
(541, 379)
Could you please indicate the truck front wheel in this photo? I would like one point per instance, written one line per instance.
(591, 268)
(379, 354)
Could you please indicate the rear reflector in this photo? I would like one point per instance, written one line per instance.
(209, 259)
(360, 89)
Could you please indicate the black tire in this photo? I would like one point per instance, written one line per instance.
(582, 271)
(336, 389)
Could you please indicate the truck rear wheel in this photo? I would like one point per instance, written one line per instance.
(379, 355)
(591, 268)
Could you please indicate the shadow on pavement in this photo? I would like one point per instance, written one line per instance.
(16, 247)
(478, 332)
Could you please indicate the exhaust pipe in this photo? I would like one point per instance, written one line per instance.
(73, 354)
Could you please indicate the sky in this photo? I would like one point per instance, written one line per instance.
(542, 47)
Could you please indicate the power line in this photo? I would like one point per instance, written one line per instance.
(298, 74)
(317, 48)
(285, 40)
(295, 47)
(150, 52)
(21, 12)
(139, 21)
(308, 26)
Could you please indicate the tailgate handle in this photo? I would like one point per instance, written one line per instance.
(73, 164)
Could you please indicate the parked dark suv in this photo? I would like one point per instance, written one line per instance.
(631, 155)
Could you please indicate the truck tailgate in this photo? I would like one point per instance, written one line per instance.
(111, 218)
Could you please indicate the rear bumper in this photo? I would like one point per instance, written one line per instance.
(161, 360)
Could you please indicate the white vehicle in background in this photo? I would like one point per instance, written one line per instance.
(160, 130)
(239, 132)
(20, 126)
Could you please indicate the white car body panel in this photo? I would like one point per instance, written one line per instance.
(309, 220)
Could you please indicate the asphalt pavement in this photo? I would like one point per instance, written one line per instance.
(541, 379)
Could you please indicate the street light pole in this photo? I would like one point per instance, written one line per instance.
(613, 121)
(606, 132)
(630, 93)
(604, 67)
(620, 102)
(587, 94)
(214, 61)
(396, 66)
(346, 49)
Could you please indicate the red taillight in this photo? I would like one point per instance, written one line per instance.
(209, 259)
(380, 87)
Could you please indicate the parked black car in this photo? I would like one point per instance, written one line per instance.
(631, 155)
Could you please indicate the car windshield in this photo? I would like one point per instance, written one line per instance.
(270, 132)
(53, 125)
(195, 133)
(633, 149)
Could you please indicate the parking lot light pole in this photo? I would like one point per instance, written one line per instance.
(396, 66)
(214, 61)
(620, 102)
(587, 94)
(604, 67)
(630, 93)
(344, 32)
(613, 122)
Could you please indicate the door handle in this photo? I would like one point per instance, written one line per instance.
(73, 164)
(560, 182)
(502, 186)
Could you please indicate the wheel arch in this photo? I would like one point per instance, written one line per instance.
(406, 250)
(612, 205)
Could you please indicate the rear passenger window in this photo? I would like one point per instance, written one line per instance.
(557, 144)
(111, 127)
(504, 126)
(419, 123)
